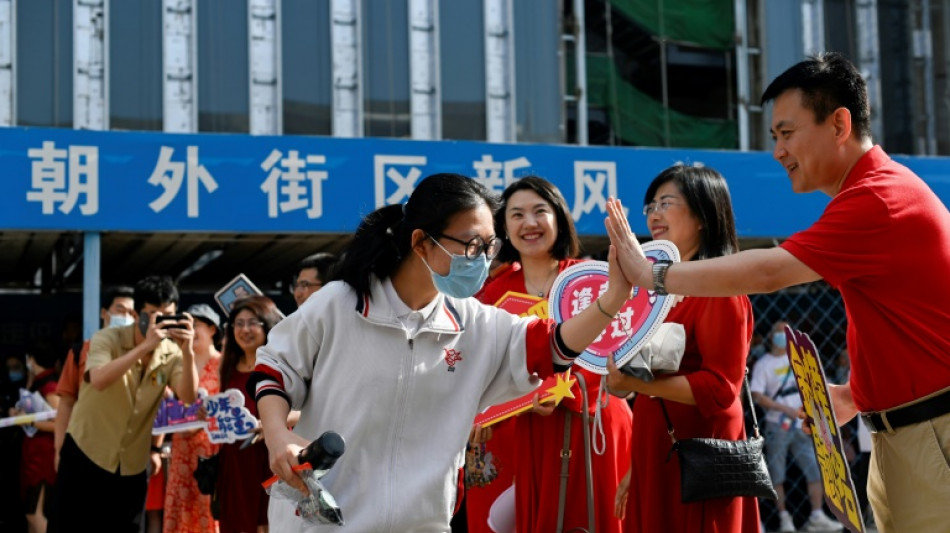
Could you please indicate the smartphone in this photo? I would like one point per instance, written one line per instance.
(172, 321)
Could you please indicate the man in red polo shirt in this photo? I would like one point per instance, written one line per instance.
(884, 243)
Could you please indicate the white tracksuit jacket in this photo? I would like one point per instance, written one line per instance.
(403, 405)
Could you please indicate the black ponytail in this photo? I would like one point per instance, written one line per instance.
(384, 238)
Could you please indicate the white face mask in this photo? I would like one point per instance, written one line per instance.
(117, 321)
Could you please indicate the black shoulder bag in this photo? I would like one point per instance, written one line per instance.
(719, 468)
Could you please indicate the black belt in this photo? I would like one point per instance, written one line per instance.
(904, 416)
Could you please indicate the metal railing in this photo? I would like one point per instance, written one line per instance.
(818, 310)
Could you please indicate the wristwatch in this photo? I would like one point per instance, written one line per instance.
(659, 276)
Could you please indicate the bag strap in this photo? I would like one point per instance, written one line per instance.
(748, 393)
(784, 381)
(748, 396)
(565, 463)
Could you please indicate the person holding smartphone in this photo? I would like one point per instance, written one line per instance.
(106, 450)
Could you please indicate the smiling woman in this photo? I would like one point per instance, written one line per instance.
(540, 241)
(243, 469)
(690, 206)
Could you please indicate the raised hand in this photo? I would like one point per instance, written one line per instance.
(633, 263)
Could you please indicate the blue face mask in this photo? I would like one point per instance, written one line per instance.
(778, 339)
(465, 275)
(16, 376)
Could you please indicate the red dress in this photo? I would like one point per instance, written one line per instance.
(240, 474)
(534, 451)
(718, 335)
(186, 509)
(37, 452)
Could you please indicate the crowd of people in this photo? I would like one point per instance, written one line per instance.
(400, 344)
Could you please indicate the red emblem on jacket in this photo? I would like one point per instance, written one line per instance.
(452, 356)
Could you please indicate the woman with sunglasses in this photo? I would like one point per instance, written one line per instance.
(398, 359)
(691, 207)
(540, 242)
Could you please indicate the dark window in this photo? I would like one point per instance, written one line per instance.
(223, 94)
(44, 63)
(135, 65)
(538, 72)
(386, 68)
(306, 66)
(462, 60)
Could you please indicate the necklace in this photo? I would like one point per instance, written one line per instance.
(541, 291)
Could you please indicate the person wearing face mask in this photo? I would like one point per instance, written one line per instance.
(118, 310)
(14, 378)
(774, 388)
(105, 455)
(398, 359)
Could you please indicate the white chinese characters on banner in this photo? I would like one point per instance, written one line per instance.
(384, 168)
(53, 183)
(496, 176)
(291, 185)
(619, 327)
(170, 174)
(581, 300)
(594, 181)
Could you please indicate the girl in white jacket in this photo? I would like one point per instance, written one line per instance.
(398, 359)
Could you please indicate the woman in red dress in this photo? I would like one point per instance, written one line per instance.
(540, 241)
(241, 497)
(691, 207)
(186, 509)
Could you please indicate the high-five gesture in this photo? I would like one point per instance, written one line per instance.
(633, 263)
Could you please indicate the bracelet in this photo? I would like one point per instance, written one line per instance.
(606, 314)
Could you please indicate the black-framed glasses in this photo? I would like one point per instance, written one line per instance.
(658, 207)
(474, 246)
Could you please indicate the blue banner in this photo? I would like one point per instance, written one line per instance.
(63, 179)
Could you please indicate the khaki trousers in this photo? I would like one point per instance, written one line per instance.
(909, 478)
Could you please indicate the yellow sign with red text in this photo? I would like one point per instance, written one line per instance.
(825, 432)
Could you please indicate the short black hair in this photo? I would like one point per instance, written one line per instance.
(322, 262)
(119, 291)
(566, 245)
(707, 195)
(827, 81)
(155, 290)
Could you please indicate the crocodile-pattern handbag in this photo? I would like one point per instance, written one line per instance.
(719, 468)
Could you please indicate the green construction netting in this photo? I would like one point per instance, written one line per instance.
(706, 23)
(640, 120)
